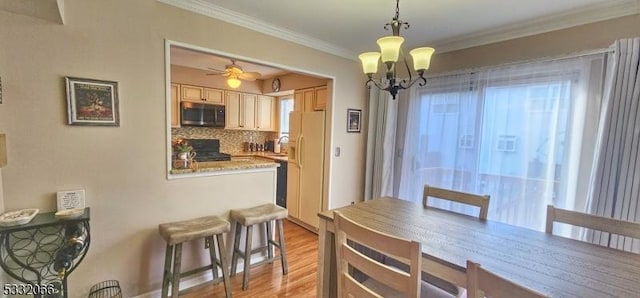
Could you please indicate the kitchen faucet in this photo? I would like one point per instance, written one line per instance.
(280, 140)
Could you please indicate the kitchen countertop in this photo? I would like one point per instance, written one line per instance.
(214, 166)
(263, 154)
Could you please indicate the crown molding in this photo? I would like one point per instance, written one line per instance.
(233, 17)
(590, 14)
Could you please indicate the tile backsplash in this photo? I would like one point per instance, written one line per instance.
(231, 141)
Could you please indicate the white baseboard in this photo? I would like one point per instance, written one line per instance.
(199, 279)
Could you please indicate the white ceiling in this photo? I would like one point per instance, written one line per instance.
(347, 28)
(206, 61)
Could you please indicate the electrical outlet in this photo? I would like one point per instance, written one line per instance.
(337, 154)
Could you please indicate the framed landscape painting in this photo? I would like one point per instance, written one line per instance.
(92, 102)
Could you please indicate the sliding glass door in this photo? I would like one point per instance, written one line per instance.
(515, 133)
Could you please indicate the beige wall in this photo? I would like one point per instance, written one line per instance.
(598, 35)
(123, 169)
(294, 81)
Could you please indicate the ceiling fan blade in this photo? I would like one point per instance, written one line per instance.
(249, 76)
(217, 74)
(217, 70)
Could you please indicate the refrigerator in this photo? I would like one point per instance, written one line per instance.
(305, 171)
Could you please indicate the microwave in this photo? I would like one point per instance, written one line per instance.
(200, 114)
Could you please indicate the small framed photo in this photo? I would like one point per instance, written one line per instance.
(92, 102)
(354, 120)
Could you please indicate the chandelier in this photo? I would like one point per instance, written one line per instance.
(390, 50)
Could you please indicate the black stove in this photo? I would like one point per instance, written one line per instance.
(207, 150)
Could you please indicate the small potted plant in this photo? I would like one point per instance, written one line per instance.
(182, 149)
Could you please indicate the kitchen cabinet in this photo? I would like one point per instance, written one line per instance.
(175, 105)
(310, 99)
(266, 113)
(191, 93)
(240, 110)
(232, 107)
(248, 108)
(320, 99)
(245, 111)
(214, 96)
(202, 94)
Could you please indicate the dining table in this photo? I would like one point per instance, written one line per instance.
(553, 265)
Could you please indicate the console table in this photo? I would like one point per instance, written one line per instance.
(45, 251)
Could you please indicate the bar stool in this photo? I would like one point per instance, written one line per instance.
(176, 233)
(249, 217)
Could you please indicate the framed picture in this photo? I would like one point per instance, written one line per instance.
(354, 120)
(92, 102)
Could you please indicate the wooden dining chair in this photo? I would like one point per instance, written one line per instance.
(594, 222)
(457, 196)
(382, 280)
(483, 283)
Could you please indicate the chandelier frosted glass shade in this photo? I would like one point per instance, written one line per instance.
(421, 58)
(390, 48)
(369, 62)
(390, 52)
(233, 82)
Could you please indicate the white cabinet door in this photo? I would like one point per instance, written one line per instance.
(248, 111)
(214, 96)
(191, 93)
(232, 110)
(265, 113)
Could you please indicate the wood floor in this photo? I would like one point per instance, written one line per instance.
(267, 280)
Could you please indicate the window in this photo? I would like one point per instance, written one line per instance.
(515, 133)
(286, 107)
(466, 142)
(507, 143)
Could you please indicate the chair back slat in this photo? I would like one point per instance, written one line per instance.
(594, 222)
(481, 201)
(348, 258)
(483, 283)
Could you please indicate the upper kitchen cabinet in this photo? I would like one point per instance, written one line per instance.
(248, 111)
(202, 94)
(241, 111)
(175, 105)
(233, 108)
(266, 113)
(320, 99)
(310, 99)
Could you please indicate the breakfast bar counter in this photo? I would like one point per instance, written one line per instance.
(225, 166)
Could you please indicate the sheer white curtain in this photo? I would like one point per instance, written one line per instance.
(381, 140)
(520, 134)
(615, 188)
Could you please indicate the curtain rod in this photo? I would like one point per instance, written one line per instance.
(508, 64)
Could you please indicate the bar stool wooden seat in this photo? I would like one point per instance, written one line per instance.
(176, 233)
(248, 217)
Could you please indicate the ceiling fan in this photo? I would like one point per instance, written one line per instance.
(235, 73)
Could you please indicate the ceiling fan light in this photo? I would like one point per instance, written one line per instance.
(233, 82)
(422, 58)
(369, 62)
(390, 48)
